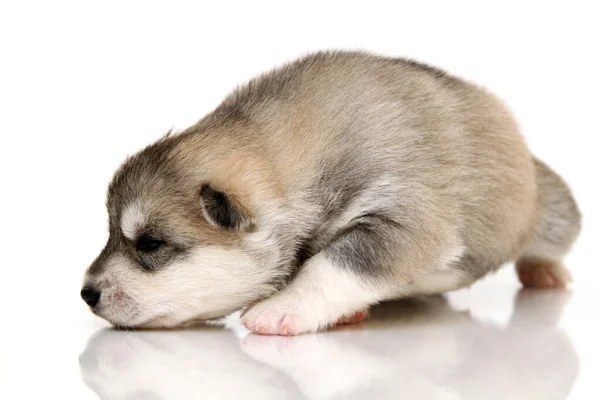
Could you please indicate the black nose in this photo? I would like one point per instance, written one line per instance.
(90, 296)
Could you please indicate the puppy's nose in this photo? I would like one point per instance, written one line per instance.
(90, 295)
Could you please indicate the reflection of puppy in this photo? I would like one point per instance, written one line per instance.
(433, 352)
(183, 365)
(420, 348)
(333, 367)
(349, 177)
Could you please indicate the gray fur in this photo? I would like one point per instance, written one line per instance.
(394, 170)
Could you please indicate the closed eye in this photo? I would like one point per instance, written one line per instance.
(148, 244)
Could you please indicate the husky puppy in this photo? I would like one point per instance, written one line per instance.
(318, 189)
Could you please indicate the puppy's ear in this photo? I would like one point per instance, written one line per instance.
(225, 210)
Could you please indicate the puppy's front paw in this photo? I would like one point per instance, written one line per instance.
(282, 316)
(275, 317)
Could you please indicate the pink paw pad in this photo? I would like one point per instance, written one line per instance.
(543, 275)
(352, 319)
(271, 324)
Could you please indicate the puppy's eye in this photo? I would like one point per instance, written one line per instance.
(148, 244)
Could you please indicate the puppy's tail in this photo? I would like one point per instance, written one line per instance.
(558, 226)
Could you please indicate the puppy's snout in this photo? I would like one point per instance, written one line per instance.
(90, 295)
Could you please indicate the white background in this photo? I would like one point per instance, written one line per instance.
(83, 84)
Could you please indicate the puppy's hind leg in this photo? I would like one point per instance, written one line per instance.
(371, 261)
(540, 264)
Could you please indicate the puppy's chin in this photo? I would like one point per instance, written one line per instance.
(170, 322)
(147, 324)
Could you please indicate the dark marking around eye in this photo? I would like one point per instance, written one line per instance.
(148, 244)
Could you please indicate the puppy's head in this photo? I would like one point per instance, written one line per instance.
(187, 236)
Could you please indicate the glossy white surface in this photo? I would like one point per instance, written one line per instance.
(83, 84)
(492, 341)
(417, 349)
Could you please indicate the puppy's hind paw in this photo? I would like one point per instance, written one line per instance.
(543, 274)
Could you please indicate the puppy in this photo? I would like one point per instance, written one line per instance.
(322, 187)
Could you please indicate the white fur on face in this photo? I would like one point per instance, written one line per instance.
(116, 305)
(132, 219)
(209, 282)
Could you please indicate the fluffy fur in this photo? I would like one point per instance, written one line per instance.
(325, 186)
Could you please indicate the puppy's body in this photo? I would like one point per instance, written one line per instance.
(325, 186)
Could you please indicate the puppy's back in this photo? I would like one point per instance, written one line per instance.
(337, 125)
